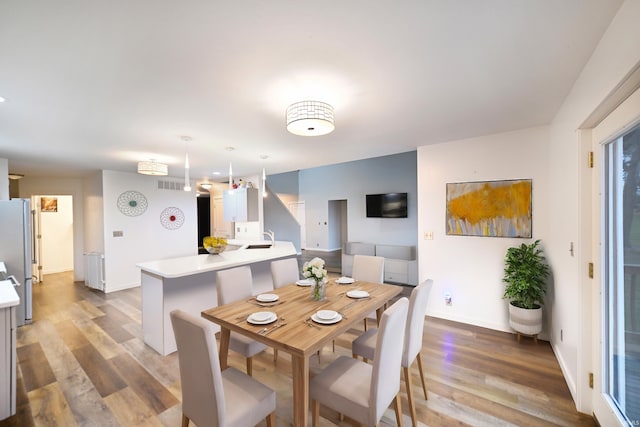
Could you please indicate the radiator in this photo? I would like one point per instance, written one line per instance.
(94, 270)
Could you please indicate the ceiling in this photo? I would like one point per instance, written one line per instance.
(103, 85)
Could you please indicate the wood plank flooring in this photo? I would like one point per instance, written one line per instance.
(83, 363)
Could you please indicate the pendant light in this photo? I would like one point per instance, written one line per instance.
(187, 180)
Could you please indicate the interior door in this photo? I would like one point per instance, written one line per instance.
(220, 227)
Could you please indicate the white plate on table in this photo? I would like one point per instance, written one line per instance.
(262, 317)
(304, 282)
(267, 298)
(357, 294)
(345, 281)
(326, 315)
(316, 319)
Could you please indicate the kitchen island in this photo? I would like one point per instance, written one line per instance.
(189, 284)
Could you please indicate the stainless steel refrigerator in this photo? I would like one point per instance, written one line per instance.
(15, 251)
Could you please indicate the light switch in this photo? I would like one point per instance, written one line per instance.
(118, 233)
(428, 235)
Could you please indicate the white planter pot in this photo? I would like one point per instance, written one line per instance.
(525, 321)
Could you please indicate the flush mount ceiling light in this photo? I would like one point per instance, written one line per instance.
(310, 118)
(153, 168)
(206, 185)
(15, 176)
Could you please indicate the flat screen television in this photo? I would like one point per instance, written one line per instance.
(389, 205)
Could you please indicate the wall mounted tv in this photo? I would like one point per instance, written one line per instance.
(389, 205)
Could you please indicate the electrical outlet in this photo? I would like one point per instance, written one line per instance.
(447, 299)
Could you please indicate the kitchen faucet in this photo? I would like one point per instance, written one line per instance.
(271, 234)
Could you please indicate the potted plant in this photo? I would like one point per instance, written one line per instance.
(525, 274)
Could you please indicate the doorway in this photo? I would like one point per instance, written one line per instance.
(53, 232)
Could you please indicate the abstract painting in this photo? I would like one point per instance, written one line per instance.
(489, 208)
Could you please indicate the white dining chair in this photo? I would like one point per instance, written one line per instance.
(368, 268)
(359, 390)
(233, 285)
(284, 272)
(365, 344)
(211, 398)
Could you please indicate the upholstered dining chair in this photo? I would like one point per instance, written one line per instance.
(284, 272)
(211, 398)
(359, 390)
(365, 344)
(233, 285)
(368, 268)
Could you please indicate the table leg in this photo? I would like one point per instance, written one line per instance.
(300, 375)
(379, 312)
(224, 347)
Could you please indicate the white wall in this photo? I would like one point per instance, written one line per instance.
(615, 56)
(144, 238)
(471, 268)
(351, 181)
(56, 229)
(94, 214)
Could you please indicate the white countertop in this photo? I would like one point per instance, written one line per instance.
(8, 295)
(189, 265)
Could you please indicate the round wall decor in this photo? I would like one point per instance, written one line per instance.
(132, 203)
(172, 218)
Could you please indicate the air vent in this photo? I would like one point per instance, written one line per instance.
(170, 185)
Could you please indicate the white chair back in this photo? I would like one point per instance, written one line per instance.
(368, 268)
(234, 284)
(385, 382)
(284, 272)
(203, 398)
(415, 321)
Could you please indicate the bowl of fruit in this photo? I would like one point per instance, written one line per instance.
(214, 245)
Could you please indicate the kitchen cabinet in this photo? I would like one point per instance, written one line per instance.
(241, 205)
(8, 303)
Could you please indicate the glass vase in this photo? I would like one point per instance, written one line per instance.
(317, 290)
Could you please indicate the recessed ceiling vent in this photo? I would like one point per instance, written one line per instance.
(170, 185)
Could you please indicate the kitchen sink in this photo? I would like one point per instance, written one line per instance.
(259, 246)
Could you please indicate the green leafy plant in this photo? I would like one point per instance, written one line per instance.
(525, 274)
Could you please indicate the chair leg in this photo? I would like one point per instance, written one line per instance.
(365, 324)
(185, 421)
(315, 412)
(275, 355)
(407, 383)
(318, 356)
(271, 419)
(334, 346)
(398, 409)
(249, 366)
(424, 384)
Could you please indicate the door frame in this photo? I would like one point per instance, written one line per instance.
(620, 121)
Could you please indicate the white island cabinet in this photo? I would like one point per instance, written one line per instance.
(189, 283)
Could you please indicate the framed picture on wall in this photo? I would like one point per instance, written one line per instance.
(489, 208)
(48, 204)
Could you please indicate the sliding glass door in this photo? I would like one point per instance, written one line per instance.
(621, 273)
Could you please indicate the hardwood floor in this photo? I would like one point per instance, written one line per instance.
(83, 362)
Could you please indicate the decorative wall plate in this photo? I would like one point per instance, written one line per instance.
(132, 203)
(172, 218)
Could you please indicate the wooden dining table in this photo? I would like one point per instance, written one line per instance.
(294, 332)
